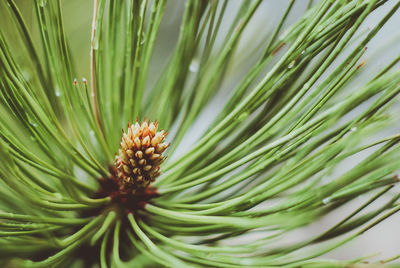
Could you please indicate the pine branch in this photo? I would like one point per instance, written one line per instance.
(277, 156)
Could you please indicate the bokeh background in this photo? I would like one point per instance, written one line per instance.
(384, 239)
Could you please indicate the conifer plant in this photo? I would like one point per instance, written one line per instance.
(76, 191)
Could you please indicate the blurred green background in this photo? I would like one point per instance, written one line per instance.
(77, 19)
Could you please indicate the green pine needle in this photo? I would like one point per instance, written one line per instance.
(296, 136)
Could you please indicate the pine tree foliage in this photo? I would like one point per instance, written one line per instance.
(263, 168)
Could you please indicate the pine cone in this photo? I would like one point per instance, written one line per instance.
(140, 156)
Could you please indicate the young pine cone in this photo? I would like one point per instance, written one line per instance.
(140, 156)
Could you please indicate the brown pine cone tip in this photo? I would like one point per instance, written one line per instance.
(139, 158)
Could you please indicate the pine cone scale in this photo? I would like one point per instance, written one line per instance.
(140, 155)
